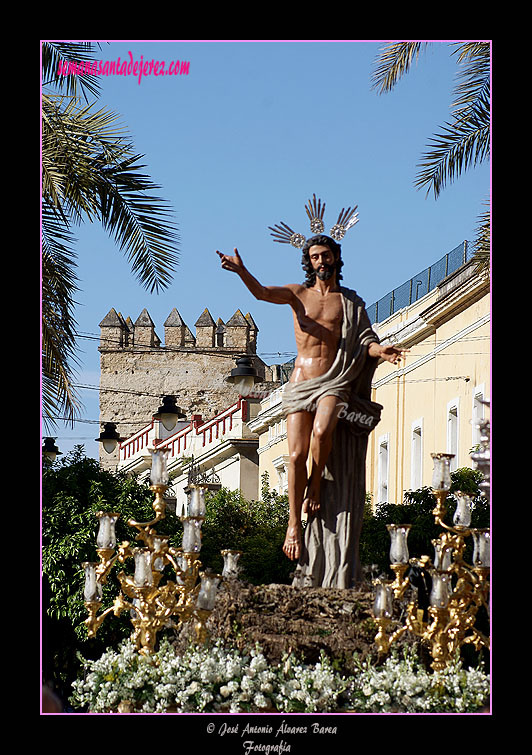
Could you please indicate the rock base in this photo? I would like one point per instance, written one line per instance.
(302, 620)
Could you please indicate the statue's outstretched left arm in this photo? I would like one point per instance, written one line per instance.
(388, 353)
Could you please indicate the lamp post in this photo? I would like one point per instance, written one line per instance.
(153, 605)
(458, 589)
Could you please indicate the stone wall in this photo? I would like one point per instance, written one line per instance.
(136, 369)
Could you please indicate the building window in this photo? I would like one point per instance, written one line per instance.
(416, 473)
(478, 412)
(452, 432)
(383, 469)
(281, 467)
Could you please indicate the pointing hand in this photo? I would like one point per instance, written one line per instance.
(234, 264)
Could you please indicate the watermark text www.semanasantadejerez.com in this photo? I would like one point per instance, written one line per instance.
(137, 68)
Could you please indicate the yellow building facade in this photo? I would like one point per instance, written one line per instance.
(430, 402)
(270, 426)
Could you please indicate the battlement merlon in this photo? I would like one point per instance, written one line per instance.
(114, 331)
(239, 334)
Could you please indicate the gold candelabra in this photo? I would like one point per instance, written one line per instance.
(152, 604)
(459, 589)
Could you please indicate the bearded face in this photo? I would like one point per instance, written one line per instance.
(320, 259)
(323, 261)
(325, 272)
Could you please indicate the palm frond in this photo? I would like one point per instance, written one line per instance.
(454, 151)
(56, 54)
(58, 400)
(76, 142)
(58, 256)
(90, 171)
(59, 283)
(140, 222)
(473, 77)
(482, 243)
(463, 143)
(394, 61)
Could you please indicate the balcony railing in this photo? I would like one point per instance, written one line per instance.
(137, 443)
(197, 434)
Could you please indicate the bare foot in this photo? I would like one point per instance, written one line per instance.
(292, 543)
(311, 504)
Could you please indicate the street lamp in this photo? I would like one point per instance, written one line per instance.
(243, 376)
(109, 437)
(168, 413)
(50, 450)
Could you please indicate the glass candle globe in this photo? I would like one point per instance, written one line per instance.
(231, 568)
(439, 595)
(441, 475)
(481, 548)
(398, 548)
(383, 602)
(106, 537)
(191, 535)
(442, 555)
(196, 502)
(159, 466)
(182, 563)
(143, 574)
(462, 515)
(160, 544)
(93, 589)
(207, 593)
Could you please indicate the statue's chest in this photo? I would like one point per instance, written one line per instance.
(327, 310)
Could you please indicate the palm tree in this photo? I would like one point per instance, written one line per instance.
(465, 141)
(90, 171)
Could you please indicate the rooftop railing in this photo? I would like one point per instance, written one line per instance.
(419, 285)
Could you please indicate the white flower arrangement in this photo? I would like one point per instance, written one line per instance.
(221, 679)
(309, 689)
(202, 679)
(401, 684)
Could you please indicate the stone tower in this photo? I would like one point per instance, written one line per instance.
(136, 369)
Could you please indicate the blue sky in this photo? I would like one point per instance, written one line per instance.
(240, 144)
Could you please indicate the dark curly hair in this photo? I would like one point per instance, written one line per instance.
(320, 240)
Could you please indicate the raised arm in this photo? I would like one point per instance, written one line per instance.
(274, 294)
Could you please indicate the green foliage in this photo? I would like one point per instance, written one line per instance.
(416, 510)
(257, 528)
(73, 490)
